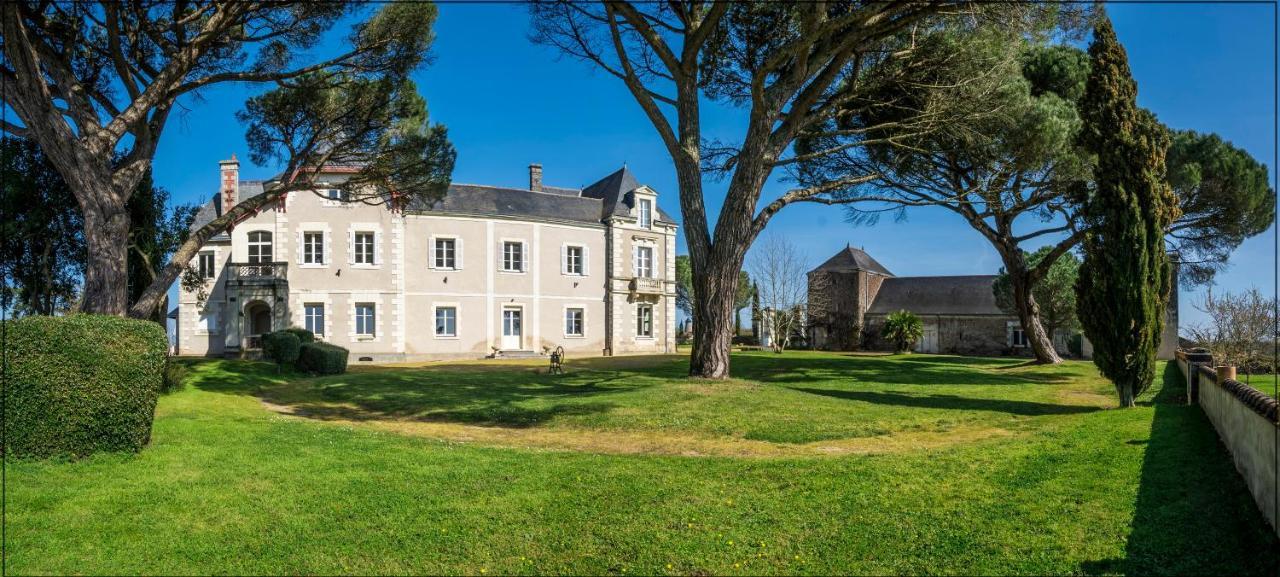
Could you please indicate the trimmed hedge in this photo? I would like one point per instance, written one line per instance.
(81, 383)
(281, 347)
(323, 358)
(304, 336)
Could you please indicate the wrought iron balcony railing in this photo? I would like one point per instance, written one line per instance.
(258, 272)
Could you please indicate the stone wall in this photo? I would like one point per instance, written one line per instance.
(1245, 419)
(957, 335)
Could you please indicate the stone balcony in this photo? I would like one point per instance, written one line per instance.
(647, 286)
(258, 273)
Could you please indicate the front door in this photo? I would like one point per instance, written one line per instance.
(512, 328)
(928, 339)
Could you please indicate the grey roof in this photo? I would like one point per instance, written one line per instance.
(616, 191)
(213, 209)
(491, 200)
(851, 259)
(937, 295)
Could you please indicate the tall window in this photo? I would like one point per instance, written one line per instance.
(446, 253)
(206, 265)
(446, 321)
(573, 258)
(1017, 337)
(313, 248)
(513, 256)
(573, 322)
(259, 247)
(314, 315)
(364, 319)
(646, 213)
(644, 321)
(363, 244)
(644, 261)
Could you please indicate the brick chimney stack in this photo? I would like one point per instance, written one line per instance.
(230, 188)
(535, 177)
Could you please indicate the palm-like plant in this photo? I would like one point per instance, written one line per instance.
(903, 329)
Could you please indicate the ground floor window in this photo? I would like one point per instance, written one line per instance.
(644, 321)
(1017, 337)
(446, 321)
(573, 322)
(364, 319)
(314, 315)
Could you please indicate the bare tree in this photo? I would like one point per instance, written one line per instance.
(95, 84)
(780, 272)
(1239, 326)
(794, 67)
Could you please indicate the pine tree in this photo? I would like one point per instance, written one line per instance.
(1124, 281)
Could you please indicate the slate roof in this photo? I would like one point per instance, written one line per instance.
(938, 295)
(851, 259)
(615, 191)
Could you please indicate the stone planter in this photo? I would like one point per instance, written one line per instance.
(1226, 373)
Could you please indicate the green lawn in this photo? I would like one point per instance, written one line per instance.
(810, 463)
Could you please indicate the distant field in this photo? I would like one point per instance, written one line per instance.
(809, 462)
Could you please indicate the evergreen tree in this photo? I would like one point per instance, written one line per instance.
(1124, 281)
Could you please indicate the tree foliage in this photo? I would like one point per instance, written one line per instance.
(903, 329)
(1125, 279)
(156, 231)
(41, 236)
(779, 269)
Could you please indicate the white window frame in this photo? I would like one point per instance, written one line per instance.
(582, 334)
(356, 248)
(637, 261)
(524, 256)
(457, 252)
(582, 259)
(371, 324)
(309, 322)
(251, 244)
(311, 257)
(209, 320)
(640, 321)
(210, 272)
(435, 311)
(1015, 329)
(645, 208)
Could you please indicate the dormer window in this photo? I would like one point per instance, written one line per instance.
(646, 213)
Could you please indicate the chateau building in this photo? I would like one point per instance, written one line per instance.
(484, 271)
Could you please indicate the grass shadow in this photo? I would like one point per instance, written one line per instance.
(1193, 514)
(953, 402)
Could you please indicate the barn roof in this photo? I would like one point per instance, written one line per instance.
(938, 295)
(851, 259)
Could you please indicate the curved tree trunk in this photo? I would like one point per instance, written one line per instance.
(106, 238)
(1024, 303)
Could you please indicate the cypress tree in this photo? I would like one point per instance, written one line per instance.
(1124, 281)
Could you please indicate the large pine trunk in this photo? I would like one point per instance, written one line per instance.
(106, 238)
(1028, 311)
(714, 292)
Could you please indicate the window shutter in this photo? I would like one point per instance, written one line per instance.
(351, 247)
(377, 247)
(524, 257)
(564, 259)
(635, 261)
(585, 260)
(457, 253)
(324, 237)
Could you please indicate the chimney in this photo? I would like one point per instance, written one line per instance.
(230, 189)
(535, 177)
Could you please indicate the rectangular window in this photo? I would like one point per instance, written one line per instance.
(335, 194)
(313, 248)
(446, 321)
(446, 253)
(364, 248)
(573, 260)
(206, 265)
(364, 319)
(646, 213)
(644, 261)
(314, 313)
(1017, 337)
(209, 319)
(573, 322)
(513, 256)
(644, 321)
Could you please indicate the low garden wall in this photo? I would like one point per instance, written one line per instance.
(1245, 419)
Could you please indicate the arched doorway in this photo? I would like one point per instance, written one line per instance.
(257, 315)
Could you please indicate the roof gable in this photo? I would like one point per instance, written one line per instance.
(852, 259)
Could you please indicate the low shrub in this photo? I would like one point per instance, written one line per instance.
(281, 347)
(903, 329)
(323, 358)
(304, 336)
(745, 340)
(175, 374)
(80, 384)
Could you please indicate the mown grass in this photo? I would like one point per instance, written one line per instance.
(462, 469)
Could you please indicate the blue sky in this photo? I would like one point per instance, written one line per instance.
(507, 103)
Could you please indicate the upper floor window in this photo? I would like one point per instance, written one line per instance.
(513, 256)
(644, 261)
(575, 260)
(365, 319)
(313, 248)
(363, 248)
(446, 253)
(206, 264)
(646, 213)
(259, 247)
(446, 321)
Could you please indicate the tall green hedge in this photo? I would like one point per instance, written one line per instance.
(323, 358)
(304, 336)
(282, 347)
(81, 383)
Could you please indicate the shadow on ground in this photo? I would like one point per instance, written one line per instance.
(953, 402)
(1193, 513)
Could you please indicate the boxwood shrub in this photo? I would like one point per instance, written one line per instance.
(281, 347)
(323, 358)
(304, 336)
(81, 383)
